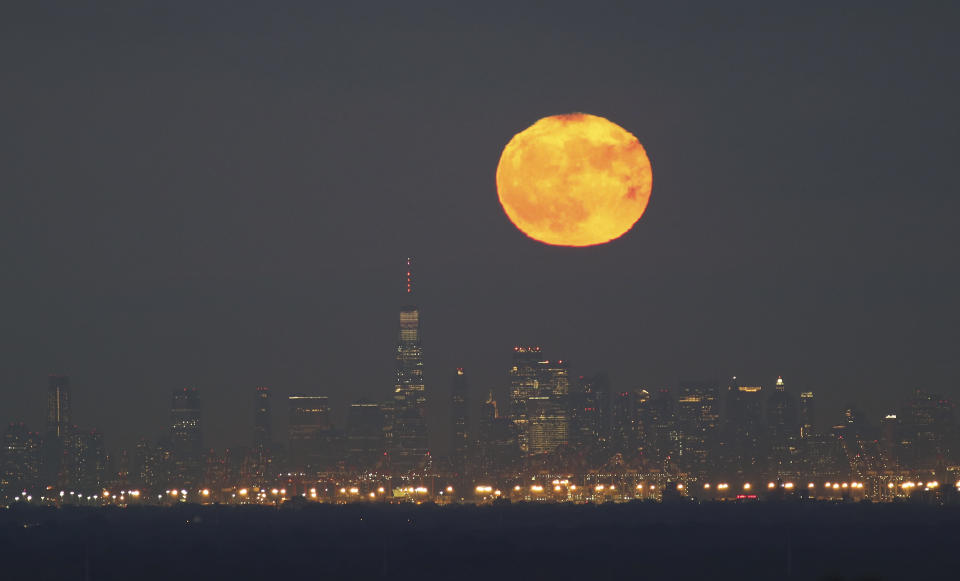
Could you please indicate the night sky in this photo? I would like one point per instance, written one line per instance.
(223, 195)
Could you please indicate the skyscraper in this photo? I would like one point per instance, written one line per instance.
(534, 378)
(698, 411)
(744, 428)
(524, 384)
(783, 431)
(498, 441)
(58, 406)
(547, 425)
(60, 447)
(623, 423)
(262, 420)
(807, 415)
(308, 431)
(589, 410)
(410, 446)
(459, 405)
(93, 464)
(19, 462)
(664, 429)
(365, 435)
(186, 437)
(261, 456)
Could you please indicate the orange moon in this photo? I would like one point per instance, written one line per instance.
(574, 180)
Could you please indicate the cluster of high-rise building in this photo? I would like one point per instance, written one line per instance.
(550, 425)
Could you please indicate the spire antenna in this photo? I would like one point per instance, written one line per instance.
(409, 276)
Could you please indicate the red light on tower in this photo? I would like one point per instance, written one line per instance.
(409, 277)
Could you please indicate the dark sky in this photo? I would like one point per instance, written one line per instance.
(222, 195)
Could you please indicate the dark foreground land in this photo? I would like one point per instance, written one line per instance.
(624, 541)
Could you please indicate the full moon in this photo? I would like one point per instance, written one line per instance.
(574, 180)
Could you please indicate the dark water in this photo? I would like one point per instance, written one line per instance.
(625, 541)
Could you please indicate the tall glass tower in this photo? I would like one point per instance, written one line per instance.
(459, 420)
(410, 448)
(58, 406)
(186, 436)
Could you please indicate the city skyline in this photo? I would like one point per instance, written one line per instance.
(534, 391)
(196, 195)
(436, 396)
(484, 290)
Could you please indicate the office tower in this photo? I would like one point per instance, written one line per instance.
(928, 428)
(499, 452)
(890, 439)
(744, 429)
(142, 466)
(93, 462)
(259, 461)
(409, 434)
(365, 435)
(218, 473)
(783, 430)
(524, 384)
(698, 414)
(642, 426)
(57, 450)
(664, 426)
(459, 414)
(623, 423)
(308, 432)
(58, 406)
(532, 376)
(554, 379)
(807, 415)
(186, 436)
(262, 419)
(547, 425)
(20, 467)
(117, 470)
(592, 410)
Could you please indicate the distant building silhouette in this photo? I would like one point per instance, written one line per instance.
(744, 429)
(59, 462)
(499, 451)
(365, 442)
(186, 435)
(59, 416)
(409, 445)
(262, 419)
(783, 433)
(308, 432)
(698, 411)
(539, 390)
(19, 461)
(459, 420)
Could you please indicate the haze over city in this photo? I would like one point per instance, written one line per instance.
(420, 282)
(205, 196)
